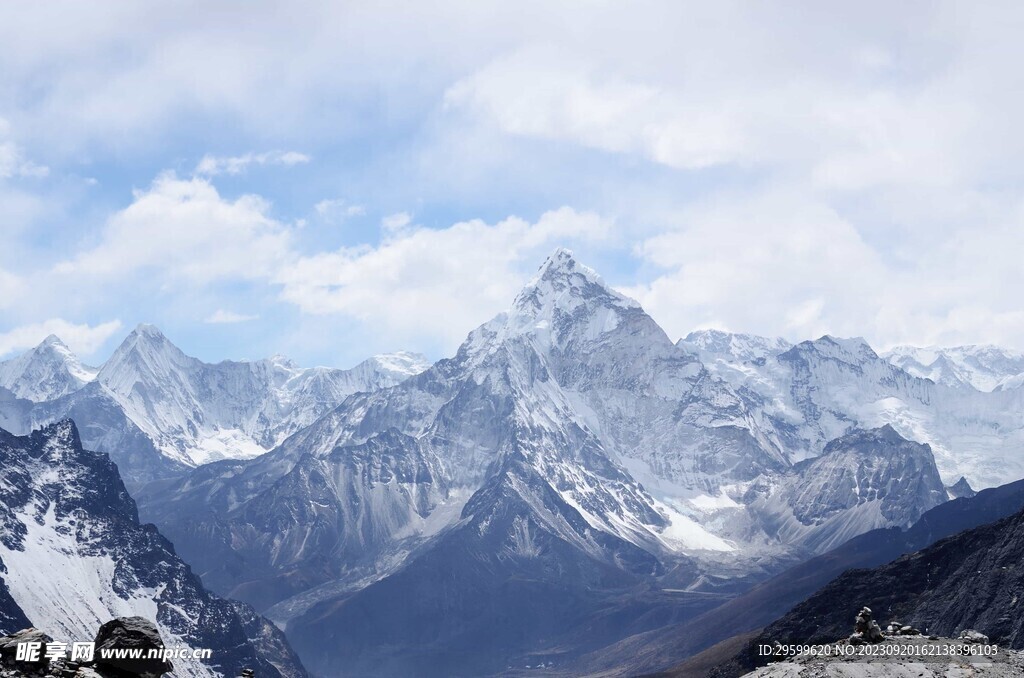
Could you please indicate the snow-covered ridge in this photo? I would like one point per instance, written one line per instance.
(983, 367)
(729, 345)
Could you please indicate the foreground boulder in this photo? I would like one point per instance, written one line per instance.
(130, 633)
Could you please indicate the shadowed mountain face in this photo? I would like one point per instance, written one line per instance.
(972, 579)
(73, 555)
(720, 635)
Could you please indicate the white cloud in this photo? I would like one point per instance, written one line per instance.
(211, 165)
(776, 262)
(862, 171)
(565, 99)
(784, 263)
(12, 160)
(394, 224)
(223, 317)
(185, 231)
(434, 284)
(337, 207)
(83, 339)
(11, 287)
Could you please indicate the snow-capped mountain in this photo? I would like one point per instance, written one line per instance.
(48, 371)
(351, 495)
(156, 410)
(985, 368)
(73, 555)
(568, 434)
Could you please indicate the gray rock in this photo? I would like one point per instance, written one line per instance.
(866, 628)
(972, 636)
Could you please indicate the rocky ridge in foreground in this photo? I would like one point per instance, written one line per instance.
(913, 661)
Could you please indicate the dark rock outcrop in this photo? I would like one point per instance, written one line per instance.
(131, 633)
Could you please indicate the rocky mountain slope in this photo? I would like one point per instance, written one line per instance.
(73, 555)
(158, 411)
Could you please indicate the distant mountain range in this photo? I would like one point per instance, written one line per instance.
(985, 368)
(570, 478)
(157, 411)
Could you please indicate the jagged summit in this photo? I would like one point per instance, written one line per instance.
(732, 345)
(853, 350)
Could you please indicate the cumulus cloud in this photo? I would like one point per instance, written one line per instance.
(784, 263)
(776, 169)
(81, 338)
(184, 230)
(211, 165)
(568, 100)
(436, 283)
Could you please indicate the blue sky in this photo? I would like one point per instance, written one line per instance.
(349, 178)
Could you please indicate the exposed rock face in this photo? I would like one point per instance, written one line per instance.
(131, 633)
(861, 481)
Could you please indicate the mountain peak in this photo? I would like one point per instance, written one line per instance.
(52, 340)
(146, 351)
(563, 283)
(560, 258)
(148, 331)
